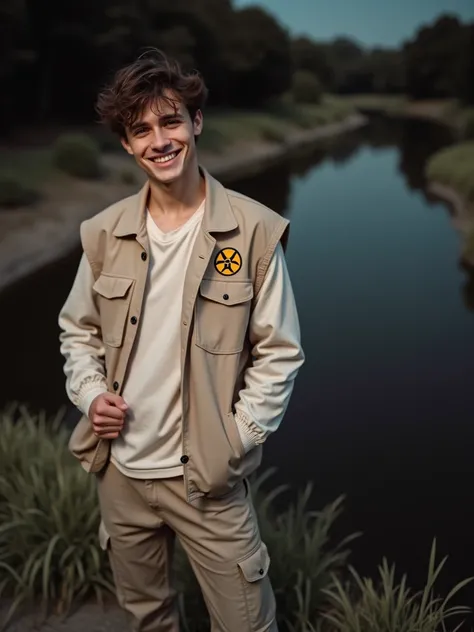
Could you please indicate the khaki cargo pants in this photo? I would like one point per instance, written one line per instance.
(140, 520)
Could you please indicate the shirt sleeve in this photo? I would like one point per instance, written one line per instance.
(80, 341)
(277, 356)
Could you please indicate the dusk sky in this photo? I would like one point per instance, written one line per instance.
(372, 22)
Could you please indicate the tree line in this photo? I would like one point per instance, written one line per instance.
(55, 56)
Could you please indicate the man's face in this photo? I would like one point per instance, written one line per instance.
(162, 141)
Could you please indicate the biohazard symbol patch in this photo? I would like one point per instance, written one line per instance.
(228, 261)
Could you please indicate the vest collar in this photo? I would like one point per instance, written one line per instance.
(218, 213)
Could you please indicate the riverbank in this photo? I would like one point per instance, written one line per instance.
(449, 112)
(33, 237)
(450, 173)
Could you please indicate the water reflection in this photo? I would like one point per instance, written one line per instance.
(467, 290)
(416, 141)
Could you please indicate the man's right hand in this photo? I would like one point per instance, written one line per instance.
(107, 415)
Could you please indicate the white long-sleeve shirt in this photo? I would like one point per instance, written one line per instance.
(149, 446)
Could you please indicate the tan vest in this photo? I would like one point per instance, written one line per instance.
(227, 267)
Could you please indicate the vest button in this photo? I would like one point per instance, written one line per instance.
(226, 297)
(261, 571)
(144, 256)
(116, 385)
(184, 458)
(133, 320)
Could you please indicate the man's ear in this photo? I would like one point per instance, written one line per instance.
(198, 123)
(126, 145)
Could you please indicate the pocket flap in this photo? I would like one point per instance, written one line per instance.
(256, 566)
(112, 286)
(227, 292)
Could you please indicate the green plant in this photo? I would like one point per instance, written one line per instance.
(362, 606)
(468, 125)
(49, 518)
(273, 134)
(78, 155)
(14, 191)
(307, 87)
(127, 176)
(302, 556)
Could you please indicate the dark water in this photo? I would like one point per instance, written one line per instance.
(383, 408)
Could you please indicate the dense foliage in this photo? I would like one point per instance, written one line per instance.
(56, 56)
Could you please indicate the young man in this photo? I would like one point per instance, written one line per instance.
(181, 343)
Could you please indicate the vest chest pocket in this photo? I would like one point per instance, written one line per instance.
(222, 315)
(114, 302)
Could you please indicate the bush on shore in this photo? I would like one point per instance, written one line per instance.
(49, 549)
(454, 167)
(15, 191)
(307, 88)
(77, 155)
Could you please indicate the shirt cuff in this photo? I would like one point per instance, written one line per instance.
(89, 397)
(249, 437)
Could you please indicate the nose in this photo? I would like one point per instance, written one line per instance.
(160, 142)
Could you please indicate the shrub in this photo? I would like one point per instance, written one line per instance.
(454, 166)
(273, 134)
(391, 607)
(306, 87)
(127, 176)
(49, 517)
(78, 155)
(468, 125)
(14, 191)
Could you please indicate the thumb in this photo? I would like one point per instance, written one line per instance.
(117, 400)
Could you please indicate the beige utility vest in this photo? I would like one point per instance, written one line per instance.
(227, 266)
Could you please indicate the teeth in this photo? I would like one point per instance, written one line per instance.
(166, 158)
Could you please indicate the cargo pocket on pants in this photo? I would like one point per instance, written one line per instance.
(258, 592)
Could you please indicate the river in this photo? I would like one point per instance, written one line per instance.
(383, 408)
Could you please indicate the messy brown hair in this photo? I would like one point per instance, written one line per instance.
(143, 83)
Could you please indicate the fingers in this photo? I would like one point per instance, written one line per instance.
(104, 410)
(116, 401)
(108, 415)
(107, 435)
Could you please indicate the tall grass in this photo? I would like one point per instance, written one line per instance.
(50, 553)
(391, 606)
(49, 517)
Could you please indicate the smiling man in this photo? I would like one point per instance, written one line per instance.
(181, 343)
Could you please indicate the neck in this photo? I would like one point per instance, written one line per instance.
(178, 197)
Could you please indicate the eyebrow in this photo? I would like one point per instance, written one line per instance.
(163, 119)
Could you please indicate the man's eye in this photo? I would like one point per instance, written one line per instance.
(140, 130)
(172, 122)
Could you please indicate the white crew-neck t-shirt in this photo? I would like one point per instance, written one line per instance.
(150, 444)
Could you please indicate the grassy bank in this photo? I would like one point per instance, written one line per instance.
(50, 554)
(450, 173)
(224, 131)
(450, 112)
(454, 167)
(274, 124)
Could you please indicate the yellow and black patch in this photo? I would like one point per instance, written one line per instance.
(228, 261)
